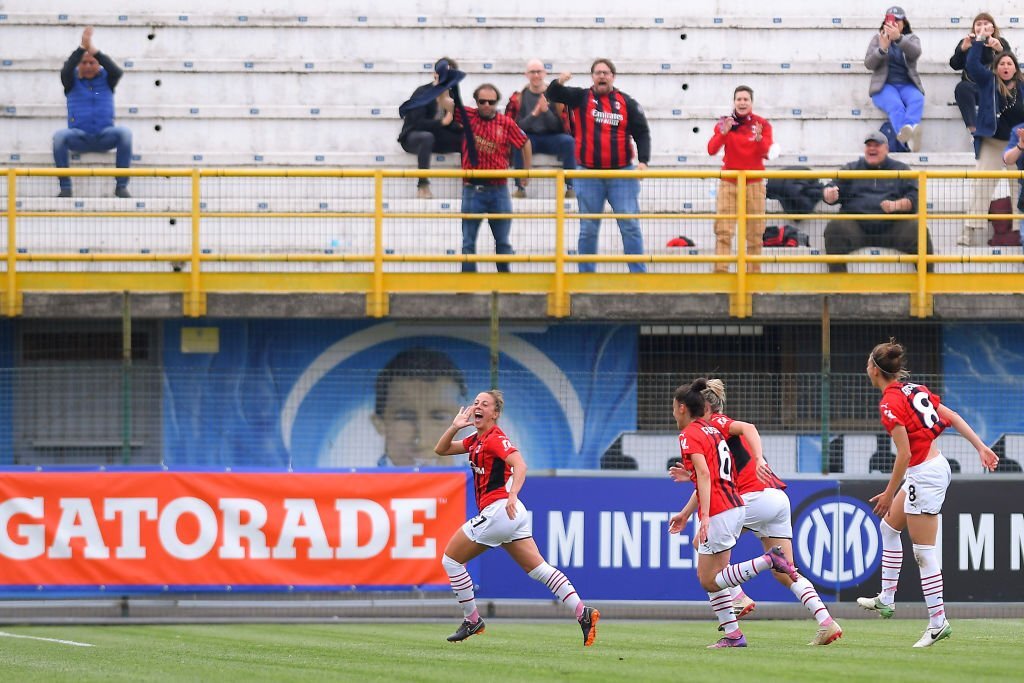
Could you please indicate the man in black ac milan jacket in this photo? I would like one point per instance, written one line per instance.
(607, 123)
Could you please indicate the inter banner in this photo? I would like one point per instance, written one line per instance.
(187, 530)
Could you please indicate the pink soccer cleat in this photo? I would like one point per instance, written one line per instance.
(726, 641)
(781, 564)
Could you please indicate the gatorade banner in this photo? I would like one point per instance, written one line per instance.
(193, 530)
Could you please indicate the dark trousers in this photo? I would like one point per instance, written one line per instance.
(966, 95)
(423, 143)
(843, 237)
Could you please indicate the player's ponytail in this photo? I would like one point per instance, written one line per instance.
(690, 395)
(890, 358)
(715, 395)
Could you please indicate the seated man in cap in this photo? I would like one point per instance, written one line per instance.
(872, 196)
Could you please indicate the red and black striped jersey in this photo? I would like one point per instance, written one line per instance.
(491, 473)
(699, 437)
(605, 126)
(494, 139)
(746, 477)
(916, 408)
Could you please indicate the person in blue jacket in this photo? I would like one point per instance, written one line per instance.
(1000, 108)
(89, 79)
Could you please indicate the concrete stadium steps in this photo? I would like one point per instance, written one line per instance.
(399, 160)
(317, 87)
(670, 137)
(814, 83)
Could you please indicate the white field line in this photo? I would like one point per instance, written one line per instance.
(5, 634)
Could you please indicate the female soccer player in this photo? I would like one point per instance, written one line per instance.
(499, 472)
(767, 510)
(914, 417)
(708, 462)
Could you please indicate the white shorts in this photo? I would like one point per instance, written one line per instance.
(926, 486)
(723, 530)
(768, 514)
(492, 527)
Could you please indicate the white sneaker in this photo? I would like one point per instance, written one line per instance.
(915, 139)
(934, 635)
(905, 132)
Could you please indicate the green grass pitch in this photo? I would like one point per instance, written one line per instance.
(511, 650)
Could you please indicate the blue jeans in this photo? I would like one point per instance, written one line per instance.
(903, 103)
(561, 145)
(76, 140)
(486, 199)
(623, 194)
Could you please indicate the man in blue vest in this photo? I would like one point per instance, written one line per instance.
(89, 79)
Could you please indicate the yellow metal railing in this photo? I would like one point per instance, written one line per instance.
(559, 285)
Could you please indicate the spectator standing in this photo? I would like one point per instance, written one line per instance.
(1000, 108)
(746, 138)
(429, 120)
(966, 91)
(872, 196)
(89, 79)
(546, 124)
(494, 135)
(895, 84)
(606, 123)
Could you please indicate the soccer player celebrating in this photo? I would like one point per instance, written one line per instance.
(766, 510)
(708, 462)
(499, 472)
(914, 417)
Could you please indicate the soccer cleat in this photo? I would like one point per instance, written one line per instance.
(726, 641)
(743, 606)
(827, 634)
(122, 192)
(875, 605)
(588, 622)
(781, 564)
(520, 193)
(934, 635)
(467, 629)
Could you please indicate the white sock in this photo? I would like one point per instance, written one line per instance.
(735, 574)
(462, 586)
(805, 593)
(892, 562)
(559, 584)
(931, 583)
(721, 603)
(737, 593)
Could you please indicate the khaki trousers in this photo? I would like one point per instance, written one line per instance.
(725, 228)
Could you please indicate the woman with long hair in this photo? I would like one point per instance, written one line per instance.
(914, 417)
(1000, 108)
(707, 462)
(499, 472)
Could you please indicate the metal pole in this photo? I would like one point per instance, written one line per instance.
(126, 379)
(494, 340)
(826, 381)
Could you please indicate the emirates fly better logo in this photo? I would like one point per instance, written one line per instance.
(836, 542)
